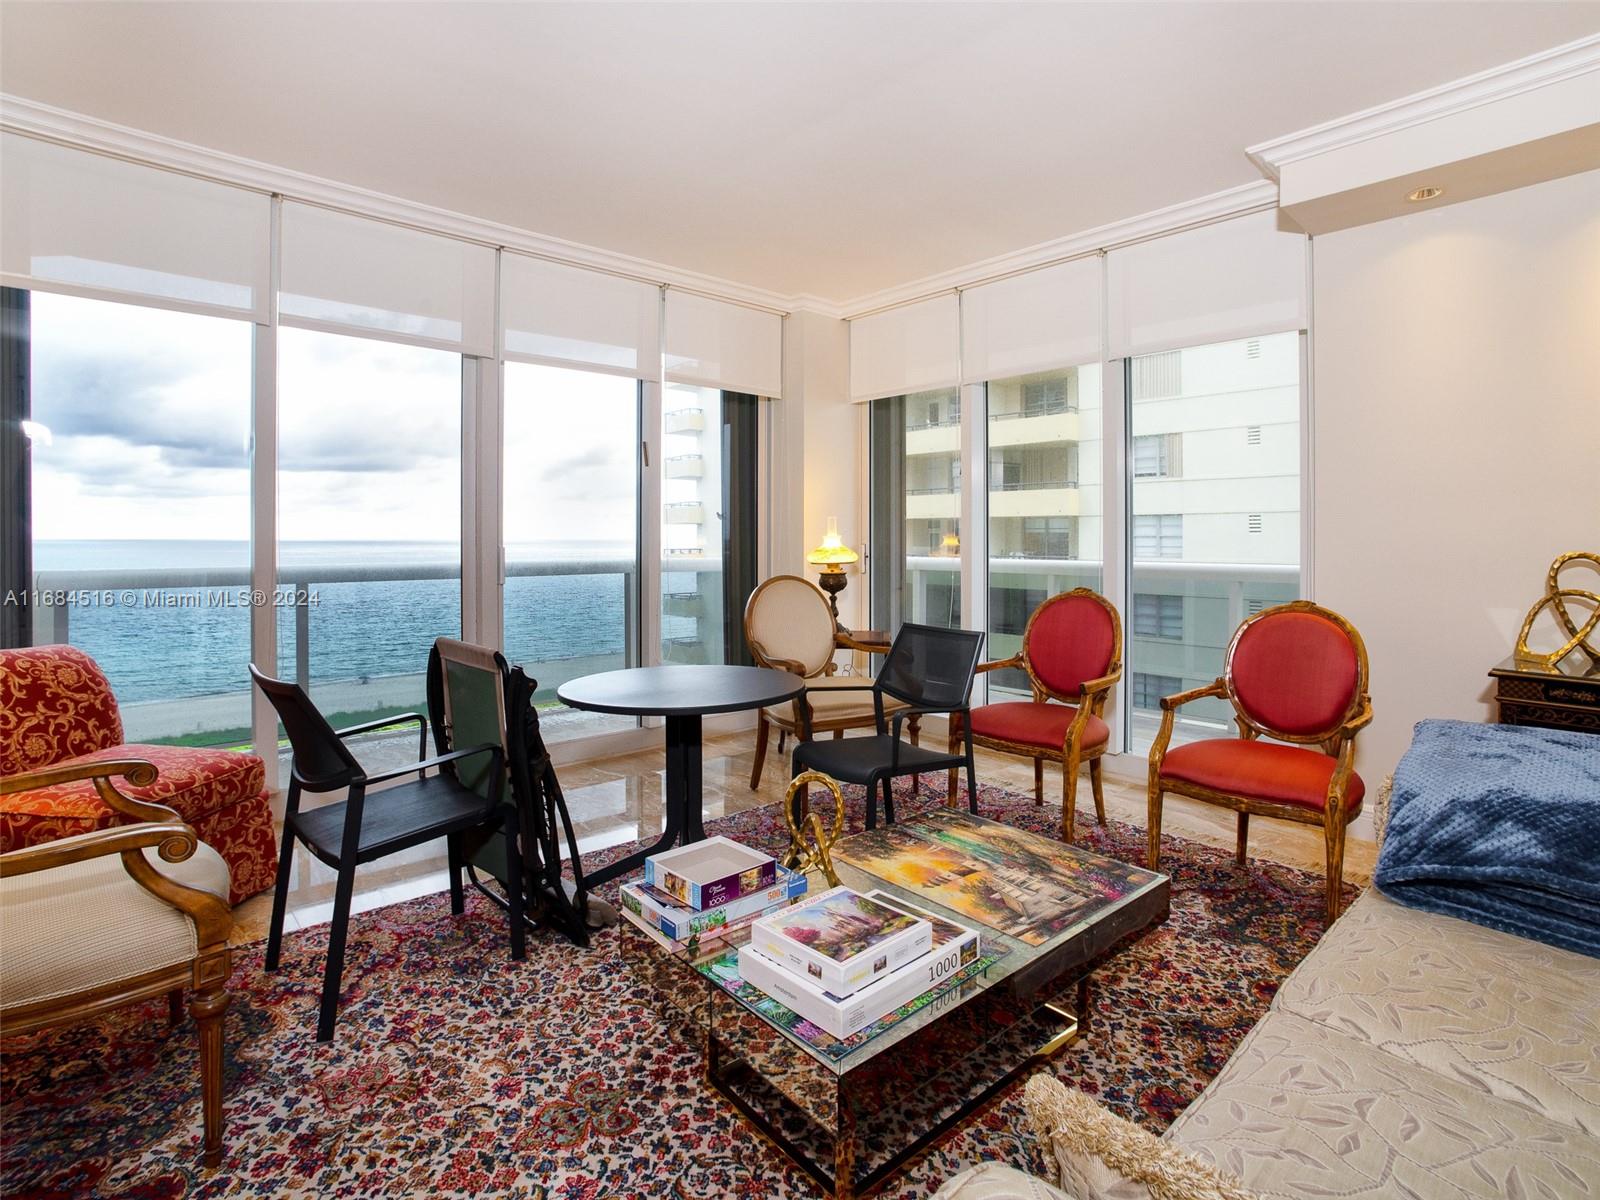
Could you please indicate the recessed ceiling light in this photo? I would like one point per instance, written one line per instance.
(1424, 193)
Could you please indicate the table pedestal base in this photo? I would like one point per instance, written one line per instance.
(682, 788)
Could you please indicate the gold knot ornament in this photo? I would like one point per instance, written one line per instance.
(1555, 599)
(814, 854)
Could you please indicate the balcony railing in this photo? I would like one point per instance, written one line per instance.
(942, 423)
(1049, 410)
(1031, 485)
(209, 709)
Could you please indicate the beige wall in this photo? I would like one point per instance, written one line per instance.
(820, 436)
(1456, 363)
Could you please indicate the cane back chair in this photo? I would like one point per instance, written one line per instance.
(1072, 653)
(1296, 673)
(789, 626)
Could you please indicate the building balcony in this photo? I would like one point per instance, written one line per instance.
(684, 420)
(685, 512)
(933, 439)
(1020, 429)
(1047, 499)
(684, 466)
(924, 505)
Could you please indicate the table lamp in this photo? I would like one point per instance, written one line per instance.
(832, 556)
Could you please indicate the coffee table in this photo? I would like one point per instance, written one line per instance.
(851, 1114)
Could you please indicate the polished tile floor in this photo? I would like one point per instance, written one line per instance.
(614, 800)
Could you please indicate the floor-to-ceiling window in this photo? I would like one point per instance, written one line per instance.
(369, 519)
(1214, 523)
(571, 521)
(140, 508)
(916, 509)
(1044, 468)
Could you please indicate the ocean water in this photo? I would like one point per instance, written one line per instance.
(182, 643)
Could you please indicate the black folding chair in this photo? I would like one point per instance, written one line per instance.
(359, 829)
(931, 671)
(475, 696)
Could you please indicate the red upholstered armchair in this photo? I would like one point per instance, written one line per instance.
(57, 710)
(1072, 653)
(1296, 673)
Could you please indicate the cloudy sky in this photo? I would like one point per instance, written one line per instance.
(149, 415)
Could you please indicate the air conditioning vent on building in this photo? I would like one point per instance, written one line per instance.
(1255, 522)
(1252, 435)
(1252, 348)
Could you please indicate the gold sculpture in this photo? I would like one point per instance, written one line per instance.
(815, 856)
(1555, 599)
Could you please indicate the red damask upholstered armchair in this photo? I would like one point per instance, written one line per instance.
(1072, 653)
(57, 710)
(1296, 673)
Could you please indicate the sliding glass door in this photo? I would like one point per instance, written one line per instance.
(915, 568)
(138, 426)
(571, 520)
(369, 521)
(1214, 523)
(1044, 456)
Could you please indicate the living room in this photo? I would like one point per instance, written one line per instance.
(534, 532)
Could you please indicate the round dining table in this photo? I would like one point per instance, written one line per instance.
(681, 694)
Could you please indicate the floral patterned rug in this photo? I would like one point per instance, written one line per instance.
(456, 1072)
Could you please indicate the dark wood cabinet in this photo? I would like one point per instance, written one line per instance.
(1561, 697)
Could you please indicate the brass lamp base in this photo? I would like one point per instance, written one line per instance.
(833, 582)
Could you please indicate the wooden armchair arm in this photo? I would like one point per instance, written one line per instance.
(1215, 688)
(1360, 721)
(1000, 664)
(136, 771)
(769, 660)
(1091, 687)
(174, 840)
(843, 639)
(1169, 713)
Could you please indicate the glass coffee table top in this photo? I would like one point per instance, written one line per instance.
(1045, 910)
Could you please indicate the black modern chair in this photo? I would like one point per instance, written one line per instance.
(360, 829)
(928, 669)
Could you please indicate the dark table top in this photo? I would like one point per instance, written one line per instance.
(682, 690)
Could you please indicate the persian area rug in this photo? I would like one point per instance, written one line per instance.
(456, 1072)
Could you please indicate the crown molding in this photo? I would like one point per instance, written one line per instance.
(1461, 95)
(1219, 206)
(33, 119)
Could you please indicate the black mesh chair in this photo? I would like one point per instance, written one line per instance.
(930, 670)
(354, 831)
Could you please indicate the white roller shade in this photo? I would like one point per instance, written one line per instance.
(914, 348)
(711, 343)
(1213, 284)
(1040, 321)
(345, 272)
(88, 223)
(552, 313)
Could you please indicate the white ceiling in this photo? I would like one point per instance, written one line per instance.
(823, 149)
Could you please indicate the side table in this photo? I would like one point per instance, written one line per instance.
(1565, 696)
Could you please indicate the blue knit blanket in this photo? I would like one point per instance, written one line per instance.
(1499, 825)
